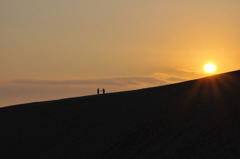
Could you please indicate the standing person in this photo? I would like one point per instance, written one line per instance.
(98, 91)
(103, 91)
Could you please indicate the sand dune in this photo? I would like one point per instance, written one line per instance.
(189, 120)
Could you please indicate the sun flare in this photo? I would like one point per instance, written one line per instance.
(210, 68)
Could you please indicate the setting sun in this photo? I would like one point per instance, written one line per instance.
(210, 68)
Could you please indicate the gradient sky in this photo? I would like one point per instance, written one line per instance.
(53, 49)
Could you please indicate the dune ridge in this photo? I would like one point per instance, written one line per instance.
(193, 119)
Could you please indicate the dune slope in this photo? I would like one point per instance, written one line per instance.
(193, 119)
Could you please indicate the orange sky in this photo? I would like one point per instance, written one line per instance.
(55, 48)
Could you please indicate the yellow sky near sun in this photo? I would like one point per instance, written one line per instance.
(74, 39)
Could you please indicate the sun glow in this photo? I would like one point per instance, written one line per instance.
(210, 68)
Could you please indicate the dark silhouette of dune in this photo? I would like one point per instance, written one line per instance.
(190, 120)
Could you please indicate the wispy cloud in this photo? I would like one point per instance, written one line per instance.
(168, 78)
(106, 81)
(156, 79)
(189, 70)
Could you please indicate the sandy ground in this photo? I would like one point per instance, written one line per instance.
(189, 120)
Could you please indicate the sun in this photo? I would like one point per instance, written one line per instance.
(210, 68)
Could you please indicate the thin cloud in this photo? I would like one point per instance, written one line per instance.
(155, 80)
(175, 79)
(107, 81)
(189, 70)
(168, 78)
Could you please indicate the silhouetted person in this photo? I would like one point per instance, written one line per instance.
(98, 91)
(103, 91)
